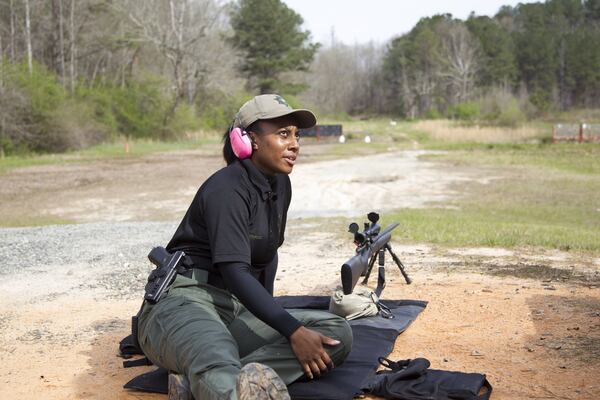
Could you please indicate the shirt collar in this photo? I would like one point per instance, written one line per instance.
(260, 180)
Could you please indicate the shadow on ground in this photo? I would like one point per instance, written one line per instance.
(567, 329)
(106, 376)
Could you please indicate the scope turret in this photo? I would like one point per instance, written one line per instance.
(373, 217)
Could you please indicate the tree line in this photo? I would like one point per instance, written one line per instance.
(526, 60)
(75, 73)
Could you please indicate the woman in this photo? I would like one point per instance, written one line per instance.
(219, 326)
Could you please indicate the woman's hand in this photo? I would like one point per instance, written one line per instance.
(308, 348)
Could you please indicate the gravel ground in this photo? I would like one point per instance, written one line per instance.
(112, 254)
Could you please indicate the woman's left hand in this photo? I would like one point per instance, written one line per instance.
(307, 345)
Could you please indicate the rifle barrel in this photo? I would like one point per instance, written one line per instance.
(389, 228)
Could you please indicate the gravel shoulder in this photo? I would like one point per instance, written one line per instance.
(528, 318)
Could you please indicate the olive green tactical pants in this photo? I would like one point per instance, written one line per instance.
(206, 334)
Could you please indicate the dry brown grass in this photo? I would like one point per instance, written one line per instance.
(452, 131)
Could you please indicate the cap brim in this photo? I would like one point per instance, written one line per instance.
(304, 118)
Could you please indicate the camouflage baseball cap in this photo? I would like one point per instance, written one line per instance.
(269, 106)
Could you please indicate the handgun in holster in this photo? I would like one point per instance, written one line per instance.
(167, 267)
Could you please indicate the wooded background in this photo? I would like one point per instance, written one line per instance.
(76, 73)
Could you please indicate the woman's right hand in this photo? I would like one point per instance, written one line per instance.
(307, 345)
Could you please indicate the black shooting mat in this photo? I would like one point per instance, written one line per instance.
(373, 337)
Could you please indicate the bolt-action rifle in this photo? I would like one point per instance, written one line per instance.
(372, 243)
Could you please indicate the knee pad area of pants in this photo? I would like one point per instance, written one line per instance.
(343, 333)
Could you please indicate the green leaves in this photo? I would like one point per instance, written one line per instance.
(270, 37)
(547, 52)
(498, 63)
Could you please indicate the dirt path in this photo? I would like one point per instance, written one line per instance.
(356, 186)
(528, 318)
(160, 187)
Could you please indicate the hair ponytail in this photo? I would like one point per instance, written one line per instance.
(228, 153)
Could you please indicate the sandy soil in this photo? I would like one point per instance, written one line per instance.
(528, 318)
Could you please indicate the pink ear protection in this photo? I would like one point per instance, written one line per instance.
(240, 143)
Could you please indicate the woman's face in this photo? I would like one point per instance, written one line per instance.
(276, 146)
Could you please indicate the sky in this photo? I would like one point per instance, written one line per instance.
(362, 21)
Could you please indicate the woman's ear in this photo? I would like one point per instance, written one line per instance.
(252, 136)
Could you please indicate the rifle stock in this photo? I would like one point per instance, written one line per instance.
(358, 265)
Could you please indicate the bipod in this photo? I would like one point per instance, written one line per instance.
(381, 270)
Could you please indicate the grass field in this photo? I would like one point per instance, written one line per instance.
(442, 132)
(559, 211)
(117, 149)
(568, 157)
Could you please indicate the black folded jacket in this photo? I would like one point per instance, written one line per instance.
(413, 380)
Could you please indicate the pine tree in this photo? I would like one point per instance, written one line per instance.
(536, 55)
(271, 39)
(498, 65)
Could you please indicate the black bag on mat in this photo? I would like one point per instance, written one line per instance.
(413, 380)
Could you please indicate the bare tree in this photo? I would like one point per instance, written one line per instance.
(1, 67)
(345, 78)
(72, 47)
(12, 31)
(177, 29)
(28, 37)
(330, 79)
(420, 84)
(57, 11)
(459, 56)
(367, 96)
(408, 96)
(1, 94)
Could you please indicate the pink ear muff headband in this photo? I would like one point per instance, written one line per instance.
(240, 143)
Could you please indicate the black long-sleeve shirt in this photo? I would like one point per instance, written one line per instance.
(256, 298)
(233, 228)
